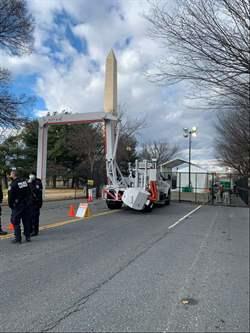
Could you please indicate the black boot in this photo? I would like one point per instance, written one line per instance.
(35, 230)
(27, 234)
(18, 235)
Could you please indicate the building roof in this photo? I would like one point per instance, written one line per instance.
(176, 162)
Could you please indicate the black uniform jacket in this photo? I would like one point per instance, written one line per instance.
(36, 189)
(1, 194)
(18, 193)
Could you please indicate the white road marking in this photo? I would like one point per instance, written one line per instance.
(184, 217)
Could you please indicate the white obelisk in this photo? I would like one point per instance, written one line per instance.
(110, 106)
(110, 89)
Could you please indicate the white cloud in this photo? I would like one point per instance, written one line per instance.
(130, 61)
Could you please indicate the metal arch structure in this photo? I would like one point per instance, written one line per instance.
(110, 120)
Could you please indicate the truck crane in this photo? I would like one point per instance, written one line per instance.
(143, 189)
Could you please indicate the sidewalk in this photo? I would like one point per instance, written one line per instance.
(237, 201)
(63, 194)
(56, 194)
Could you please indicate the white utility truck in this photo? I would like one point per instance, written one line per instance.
(143, 189)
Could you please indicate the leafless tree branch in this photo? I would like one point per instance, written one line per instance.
(209, 40)
(233, 138)
(162, 151)
(16, 27)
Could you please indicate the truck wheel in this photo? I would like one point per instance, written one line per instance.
(148, 209)
(114, 204)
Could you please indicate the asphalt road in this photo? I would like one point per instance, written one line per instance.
(129, 271)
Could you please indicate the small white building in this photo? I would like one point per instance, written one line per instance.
(178, 170)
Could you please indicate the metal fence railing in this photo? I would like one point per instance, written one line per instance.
(210, 188)
(243, 187)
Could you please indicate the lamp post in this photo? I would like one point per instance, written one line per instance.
(188, 133)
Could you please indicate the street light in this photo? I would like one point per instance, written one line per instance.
(188, 133)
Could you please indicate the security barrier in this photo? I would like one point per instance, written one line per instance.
(210, 188)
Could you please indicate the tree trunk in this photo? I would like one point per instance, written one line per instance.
(54, 181)
(5, 181)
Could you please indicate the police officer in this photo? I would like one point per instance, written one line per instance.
(19, 202)
(1, 200)
(36, 189)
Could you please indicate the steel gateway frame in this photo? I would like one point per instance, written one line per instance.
(110, 121)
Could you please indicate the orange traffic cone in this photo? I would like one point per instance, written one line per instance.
(11, 227)
(71, 212)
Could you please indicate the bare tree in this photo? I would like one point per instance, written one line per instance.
(129, 126)
(6, 132)
(130, 129)
(88, 143)
(207, 43)
(16, 27)
(11, 109)
(162, 151)
(233, 139)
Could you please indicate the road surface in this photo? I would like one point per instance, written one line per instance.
(181, 268)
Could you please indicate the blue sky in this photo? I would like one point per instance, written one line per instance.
(66, 69)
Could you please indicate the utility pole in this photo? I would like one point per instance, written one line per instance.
(189, 159)
(188, 133)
